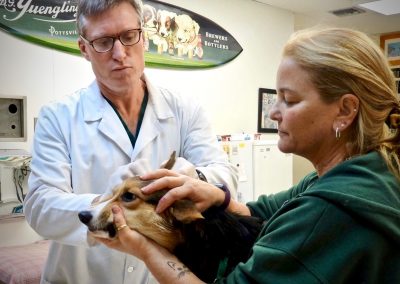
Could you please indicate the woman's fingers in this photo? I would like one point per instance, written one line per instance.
(177, 193)
(199, 192)
(125, 234)
(180, 187)
(166, 182)
(120, 225)
(119, 219)
(158, 174)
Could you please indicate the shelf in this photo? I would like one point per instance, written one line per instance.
(11, 217)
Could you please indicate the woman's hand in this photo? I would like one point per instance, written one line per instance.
(203, 194)
(127, 240)
(166, 267)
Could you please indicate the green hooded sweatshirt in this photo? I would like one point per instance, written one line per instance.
(343, 227)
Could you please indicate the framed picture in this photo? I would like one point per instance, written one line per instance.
(266, 98)
(390, 43)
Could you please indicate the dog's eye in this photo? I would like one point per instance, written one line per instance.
(128, 197)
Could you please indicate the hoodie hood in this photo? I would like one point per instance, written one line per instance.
(366, 189)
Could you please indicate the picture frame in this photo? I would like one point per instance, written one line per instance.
(390, 44)
(266, 98)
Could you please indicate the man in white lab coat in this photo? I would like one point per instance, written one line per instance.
(82, 139)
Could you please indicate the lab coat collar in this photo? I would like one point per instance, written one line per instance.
(158, 109)
(93, 102)
(96, 108)
(96, 105)
(158, 102)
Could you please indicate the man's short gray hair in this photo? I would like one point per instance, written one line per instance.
(88, 8)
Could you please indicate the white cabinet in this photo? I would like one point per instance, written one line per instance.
(262, 167)
(241, 156)
(272, 169)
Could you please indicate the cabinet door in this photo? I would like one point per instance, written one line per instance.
(240, 154)
(273, 170)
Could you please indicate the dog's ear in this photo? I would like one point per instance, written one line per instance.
(158, 16)
(185, 211)
(196, 27)
(173, 24)
(171, 161)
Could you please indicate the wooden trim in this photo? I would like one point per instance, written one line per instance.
(386, 37)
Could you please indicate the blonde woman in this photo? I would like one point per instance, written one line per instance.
(337, 107)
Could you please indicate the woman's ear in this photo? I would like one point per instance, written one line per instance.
(82, 48)
(348, 110)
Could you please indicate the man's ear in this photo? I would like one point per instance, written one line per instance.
(83, 48)
(348, 110)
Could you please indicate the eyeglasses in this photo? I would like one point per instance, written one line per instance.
(104, 44)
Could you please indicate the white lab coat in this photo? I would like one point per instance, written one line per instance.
(79, 142)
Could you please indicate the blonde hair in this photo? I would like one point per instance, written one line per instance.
(342, 61)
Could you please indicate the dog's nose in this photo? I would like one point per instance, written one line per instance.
(85, 217)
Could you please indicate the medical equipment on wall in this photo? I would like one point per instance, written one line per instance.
(262, 167)
(14, 173)
(240, 155)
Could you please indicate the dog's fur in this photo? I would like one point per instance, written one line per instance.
(150, 25)
(164, 39)
(186, 32)
(200, 241)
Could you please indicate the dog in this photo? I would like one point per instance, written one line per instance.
(202, 241)
(186, 36)
(164, 39)
(149, 24)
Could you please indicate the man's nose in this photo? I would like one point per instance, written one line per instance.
(118, 49)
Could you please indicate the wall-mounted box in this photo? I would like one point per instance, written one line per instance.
(13, 126)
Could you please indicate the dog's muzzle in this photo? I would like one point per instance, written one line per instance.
(86, 217)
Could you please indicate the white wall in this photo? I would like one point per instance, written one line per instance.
(229, 92)
(39, 73)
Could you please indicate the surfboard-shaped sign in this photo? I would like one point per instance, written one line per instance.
(173, 37)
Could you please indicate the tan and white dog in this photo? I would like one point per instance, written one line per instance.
(200, 240)
(149, 24)
(139, 211)
(164, 39)
(186, 36)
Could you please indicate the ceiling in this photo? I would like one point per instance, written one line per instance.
(308, 13)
